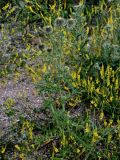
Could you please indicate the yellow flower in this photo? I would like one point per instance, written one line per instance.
(17, 147)
(95, 136)
(31, 133)
(44, 69)
(102, 71)
(55, 149)
(110, 122)
(72, 104)
(3, 149)
(22, 156)
(116, 83)
(105, 123)
(98, 90)
(74, 75)
(78, 150)
(78, 78)
(87, 128)
(110, 20)
(111, 98)
(87, 30)
(74, 84)
(101, 116)
(119, 135)
(109, 138)
(118, 122)
(66, 88)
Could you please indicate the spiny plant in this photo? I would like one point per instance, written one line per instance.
(80, 69)
(80, 87)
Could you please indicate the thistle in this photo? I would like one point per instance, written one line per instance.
(41, 46)
(49, 49)
(48, 29)
(71, 23)
(60, 22)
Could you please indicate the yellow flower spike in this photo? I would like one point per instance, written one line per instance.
(79, 70)
(78, 150)
(98, 90)
(118, 122)
(91, 78)
(17, 147)
(95, 104)
(22, 156)
(74, 84)
(78, 78)
(65, 33)
(33, 146)
(31, 133)
(87, 128)
(27, 124)
(110, 20)
(66, 88)
(102, 71)
(3, 149)
(95, 136)
(6, 6)
(109, 138)
(110, 122)
(71, 137)
(87, 30)
(108, 73)
(72, 104)
(113, 76)
(92, 87)
(101, 116)
(74, 75)
(119, 135)
(116, 83)
(10, 11)
(55, 149)
(97, 81)
(84, 83)
(44, 69)
(92, 102)
(105, 123)
(108, 81)
(111, 98)
(31, 9)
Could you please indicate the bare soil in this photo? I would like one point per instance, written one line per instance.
(23, 99)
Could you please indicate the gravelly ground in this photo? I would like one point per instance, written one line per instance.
(25, 100)
(23, 93)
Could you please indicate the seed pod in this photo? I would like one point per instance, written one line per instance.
(71, 23)
(60, 22)
(48, 29)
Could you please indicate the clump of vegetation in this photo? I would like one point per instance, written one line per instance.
(78, 78)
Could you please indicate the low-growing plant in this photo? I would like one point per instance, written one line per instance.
(78, 78)
(82, 69)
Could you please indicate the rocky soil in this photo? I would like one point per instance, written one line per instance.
(17, 98)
